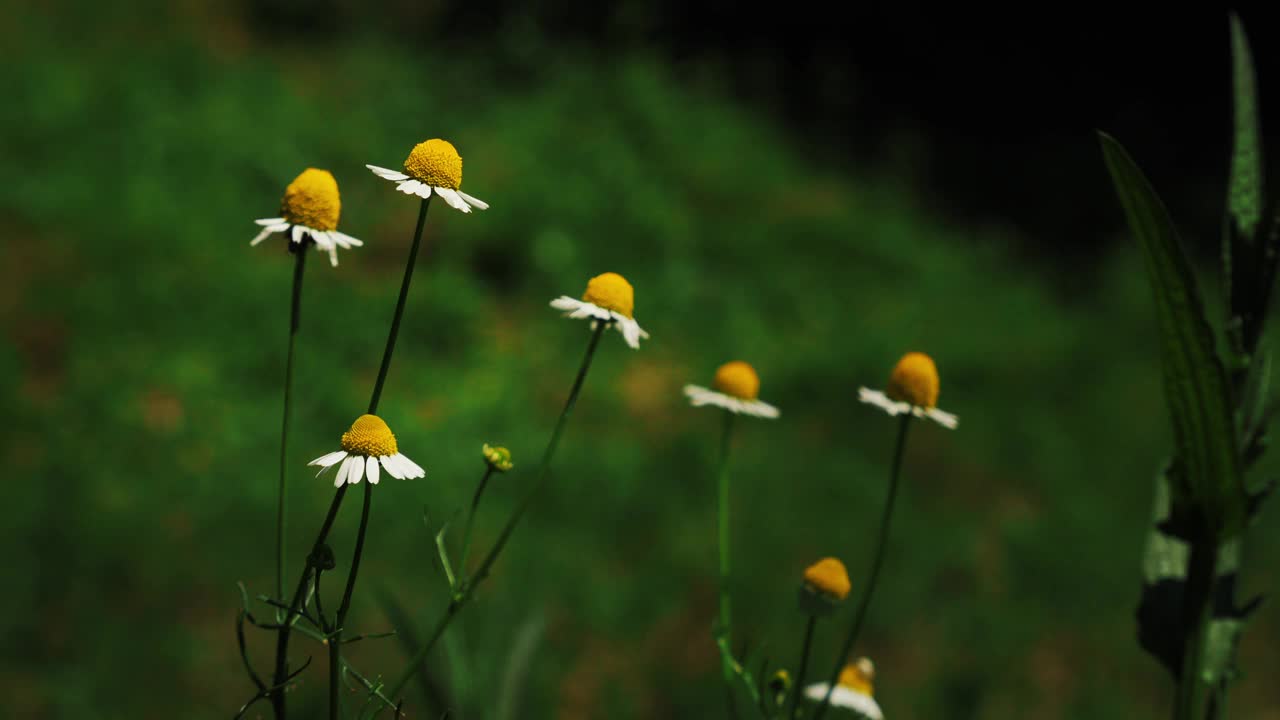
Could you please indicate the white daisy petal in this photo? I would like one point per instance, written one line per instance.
(386, 174)
(566, 303)
(261, 236)
(266, 222)
(371, 470)
(630, 330)
(346, 241)
(424, 191)
(413, 469)
(473, 202)
(295, 233)
(329, 459)
(344, 470)
(392, 468)
(357, 470)
(945, 419)
(762, 409)
(882, 401)
(409, 187)
(321, 239)
(333, 257)
(452, 199)
(848, 698)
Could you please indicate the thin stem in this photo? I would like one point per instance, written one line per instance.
(335, 642)
(725, 624)
(295, 321)
(395, 319)
(1190, 700)
(471, 517)
(876, 562)
(544, 467)
(798, 688)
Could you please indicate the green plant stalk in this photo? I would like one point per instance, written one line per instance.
(725, 622)
(1191, 698)
(295, 321)
(335, 642)
(798, 688)
(282, 642)
(460, 599)
(471, 518)
(877, 560)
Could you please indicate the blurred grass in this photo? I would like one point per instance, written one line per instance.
(143, 344)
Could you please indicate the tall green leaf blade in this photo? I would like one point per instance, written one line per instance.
(1195, 382)
(1244, 195)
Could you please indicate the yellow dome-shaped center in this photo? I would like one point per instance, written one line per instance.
(369, 436)
(611, 291)
(738, 379)
(914, 380)
(829, 577)
(435, 162)
(859, 676)
(312, 200)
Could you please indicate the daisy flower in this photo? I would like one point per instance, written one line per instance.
(432, 165)
(310, 208)
(913, 388)
(367, 444)
(609, 299)
(853, 692)
(826, 585)
(737, 388)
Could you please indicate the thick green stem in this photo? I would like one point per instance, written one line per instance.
(544, 467)
(295, 321)
(1192, 697)
(877, 560)
(798, 688)
(725, 623)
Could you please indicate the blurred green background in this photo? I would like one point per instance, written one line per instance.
(143, 346)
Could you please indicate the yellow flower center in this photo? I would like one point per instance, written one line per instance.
(312, 200)
(858, 676)
(738, 379)
(829, 577)
(914, 380)
(611, 291)
(369, 436)
(435, 162)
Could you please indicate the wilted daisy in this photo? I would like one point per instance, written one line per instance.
(310, 208)
(432, 165)
(852, 692)
(609, 299)
(367, 444)
(913, 388)
(737, 388)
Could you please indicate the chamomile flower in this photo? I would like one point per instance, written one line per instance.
(737, 389)
(913, 388)
(368, 444)
(852, 692)
(310, 209)
(609, 299)
(432, 165)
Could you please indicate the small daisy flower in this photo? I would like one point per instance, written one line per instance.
(609, 299)
(367, 444)
(432, 165)
(737, 388)
(853, 692)
(826, 585)
(913, 388)
(310, 208)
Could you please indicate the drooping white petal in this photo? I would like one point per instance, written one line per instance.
(386, 174)
(357, 470)
(474, 202)
(452, 199)
(391, 466)
(409, 187)
(346, 241)
(371, 470)
(266, 222)
(295, 233)
(344, 470)
(329, 459)
(629, 329)
(424, 191)
(321, 239)
(412, 469)
(566, 303)
(261, 236)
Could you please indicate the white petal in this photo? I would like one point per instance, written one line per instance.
(412, 469)
(424, 191)
(333, 257)
(271, 221)
(945, 419)
(566, 303)
(261, 236)
(295, 234)
(391, 466)
(630, 330)
(882, 401)
(346, 240)
(357, 470)
(371, 470)
(451, 197)
(344, 470)
(476, 203)
(409, 187)
(321, 239)
(386, 174)
(760, 409)
(329, 459)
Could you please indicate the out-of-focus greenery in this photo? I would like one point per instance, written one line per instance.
(143, 347)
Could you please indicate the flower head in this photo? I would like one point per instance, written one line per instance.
(912, 388)
(433, 165)
(497, 458)
(310, 210)
(737, 389)
(368, 444)
(853, 691)
(609, 299)
(828, 577)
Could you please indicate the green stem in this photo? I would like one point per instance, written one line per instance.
(471, 518)
(725, 624)
(876, 562)
(544, 467)
(798, 688)
(282, 641)
(335, 642)
(295, 321)
(1191, 697)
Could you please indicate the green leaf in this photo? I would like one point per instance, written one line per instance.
(1195, 382)
(1244, 195)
